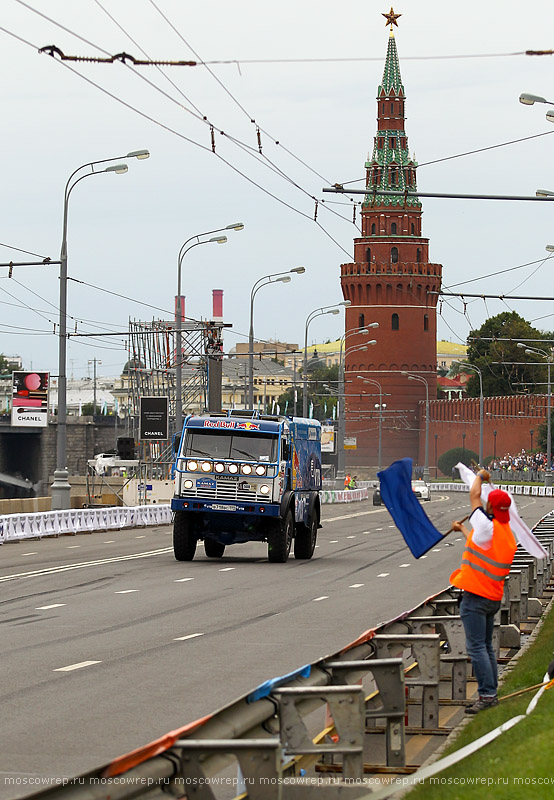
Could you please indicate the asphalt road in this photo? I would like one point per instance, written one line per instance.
(108, 642)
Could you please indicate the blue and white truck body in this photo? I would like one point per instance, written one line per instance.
(243, 477)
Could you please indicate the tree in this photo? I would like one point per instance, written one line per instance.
(542, 431)
(4, 367)
(451, 457)
(500, 361)
(322, 392)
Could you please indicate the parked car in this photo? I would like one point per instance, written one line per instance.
(421, 490)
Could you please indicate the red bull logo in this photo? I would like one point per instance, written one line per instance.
(248, 426)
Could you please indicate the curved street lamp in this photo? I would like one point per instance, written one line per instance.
(467, 365)
(276, 277)
(60, 489)
(537, 351)
(421, 379)
(332, 309)
(381, 406)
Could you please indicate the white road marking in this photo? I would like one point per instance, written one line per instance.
(110, 541)
(140, 537)
(73, 546)
(45, 608)
(80, 665)
(436, 550)
(29, 554)
(82, 565)
(423, 557)
(334, 541)
(383, 575)
(323, 597)
(126, 591)
(403, 565)
(227, 569)
(182, 580)
(392, 526)
(350, 537)
(378, 529)
(458, 540)
(356, 585)
(315, 548)
(189, 636)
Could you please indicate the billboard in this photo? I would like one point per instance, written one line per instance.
(30, 399)
(327, 439)
(154, 414)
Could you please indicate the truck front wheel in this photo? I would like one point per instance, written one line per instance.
(279, 541)
(184, 539)
(305, 539)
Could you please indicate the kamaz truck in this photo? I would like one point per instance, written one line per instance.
(246, 477)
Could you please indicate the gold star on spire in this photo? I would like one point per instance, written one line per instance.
(391, 18)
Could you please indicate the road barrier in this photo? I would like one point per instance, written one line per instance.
(268, 732)
(14, 527)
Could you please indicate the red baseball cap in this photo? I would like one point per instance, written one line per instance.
(500, 503)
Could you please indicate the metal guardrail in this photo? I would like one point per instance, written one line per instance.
(268, 731)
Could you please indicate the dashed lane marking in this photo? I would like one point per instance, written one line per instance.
(350, 537)
(140, 537)
(334, 541)
(84, 564)
(80, 665)
(403, 565)
(45, 608)
(383, 575)
(110, 541)
(188, 636)
(127, 591)
(29, 554)
(182, 580)
(323, 597)
(356, 585)
(72, 546)
(436, 550)
(227, 569)
(422, 557)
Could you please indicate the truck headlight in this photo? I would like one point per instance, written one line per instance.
(219, 467)
(260, 470)
(189, 484)
(206, 466)
(233, 468)
(264, 489)
(246, 469)
(192, 466)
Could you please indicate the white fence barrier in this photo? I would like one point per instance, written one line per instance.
(80, 520)
(344, 496)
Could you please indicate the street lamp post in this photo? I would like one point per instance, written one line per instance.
(311, 316)
(494, 434)
(341, 416)
(467, 365)
(60, 489)
(531, 432)
(436, 460)
(380, 406)
(421, 379)
(277, 277)
(548, 356)
(463, 442)
(236, 226)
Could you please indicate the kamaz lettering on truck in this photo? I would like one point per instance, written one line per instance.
(247, 478)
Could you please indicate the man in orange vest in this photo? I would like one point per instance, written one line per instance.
(488, 555)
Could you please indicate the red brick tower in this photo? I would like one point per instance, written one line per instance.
(393, 283)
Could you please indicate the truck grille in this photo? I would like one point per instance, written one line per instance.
(227, 490)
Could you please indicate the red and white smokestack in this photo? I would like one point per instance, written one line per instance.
(217, 296)
(182, 307)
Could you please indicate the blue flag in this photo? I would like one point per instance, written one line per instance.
(411, 520)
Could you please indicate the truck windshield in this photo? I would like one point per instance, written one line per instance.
(236, 446)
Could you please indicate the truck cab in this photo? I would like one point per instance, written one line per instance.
(242, 477)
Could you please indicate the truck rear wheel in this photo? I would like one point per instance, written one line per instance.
(213, 549)
(279, 541)
(305, 539)
(184, 540)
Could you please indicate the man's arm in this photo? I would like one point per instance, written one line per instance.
(474, 500)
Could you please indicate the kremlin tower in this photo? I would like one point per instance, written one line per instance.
(391, 282)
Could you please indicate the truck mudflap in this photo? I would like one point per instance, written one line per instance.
(195, 504)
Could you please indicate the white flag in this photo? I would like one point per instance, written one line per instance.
(524, 536)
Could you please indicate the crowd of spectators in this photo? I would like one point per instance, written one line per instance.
(522, 462)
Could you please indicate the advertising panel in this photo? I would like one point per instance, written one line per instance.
(327, 439)
(30, 399)
(350, 443)
(154, 418)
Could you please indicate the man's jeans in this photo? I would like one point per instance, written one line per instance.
(477, 615)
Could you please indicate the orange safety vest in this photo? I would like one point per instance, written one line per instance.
(483, 571)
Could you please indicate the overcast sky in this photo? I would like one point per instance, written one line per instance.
(125, 231)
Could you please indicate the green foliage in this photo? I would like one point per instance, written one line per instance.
(542, 431)
(451, 457)
(322, 391)
(4, 370)
(496, 359)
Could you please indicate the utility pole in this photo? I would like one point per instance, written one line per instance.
(94, 362)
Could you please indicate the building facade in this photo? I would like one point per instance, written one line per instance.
(392, 282)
